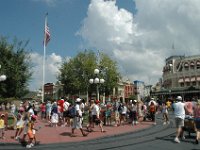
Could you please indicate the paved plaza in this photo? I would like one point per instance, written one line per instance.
(59, 134)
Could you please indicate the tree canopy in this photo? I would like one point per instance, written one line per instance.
(15, 65)
(75, 73)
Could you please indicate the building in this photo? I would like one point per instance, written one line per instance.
(124, 90)
(181, 76)
(53, 91)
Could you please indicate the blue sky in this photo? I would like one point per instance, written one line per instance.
(138, 40)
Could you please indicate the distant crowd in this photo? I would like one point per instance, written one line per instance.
(79, 114)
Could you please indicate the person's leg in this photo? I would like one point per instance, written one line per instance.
(16, 133)
(83, 133)
(101, 126)
(3, 134)
(20, 131)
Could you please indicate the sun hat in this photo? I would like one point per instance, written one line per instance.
(77, 100)
(179, 98)
(2, 115)
(97, 101)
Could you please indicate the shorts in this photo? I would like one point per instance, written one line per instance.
(116, 115)
(197, 123)
(65, 114)
(96, 120)
(30, 134)
(179, 122)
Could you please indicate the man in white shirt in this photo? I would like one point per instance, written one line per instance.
(77, 120)
(179, 112)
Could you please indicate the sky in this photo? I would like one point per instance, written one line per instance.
(138, 34)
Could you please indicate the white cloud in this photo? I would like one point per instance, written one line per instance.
(53, 63)
(140, 43)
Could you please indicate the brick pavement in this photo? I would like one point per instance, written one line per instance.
(60, 134)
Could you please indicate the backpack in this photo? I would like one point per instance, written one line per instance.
(120, 108)
(72, 112)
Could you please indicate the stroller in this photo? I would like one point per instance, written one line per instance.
(189, 124)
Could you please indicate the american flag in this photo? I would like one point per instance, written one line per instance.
(47, 34)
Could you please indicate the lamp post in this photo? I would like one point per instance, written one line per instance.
(2, 77)
(96, 81)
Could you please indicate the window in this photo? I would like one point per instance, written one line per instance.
(192, 65)
(187, 83)
(194, 83)
(182, 84)
(198, 64)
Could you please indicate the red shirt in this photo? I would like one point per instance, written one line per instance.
(61, 104)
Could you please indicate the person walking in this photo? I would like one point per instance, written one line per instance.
(197, 121)
(2, 126)
(77, 120)
(96, 115)
(19, 124)
(179, 113)
(54, 115)
(152, 111)
(123, 114)
(165, 114)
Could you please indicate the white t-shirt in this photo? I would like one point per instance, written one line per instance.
(66, 106)
(77, 108)
(124, 110)
(95, 110)
(179, 110)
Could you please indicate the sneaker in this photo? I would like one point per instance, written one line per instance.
(17, 138)
(28, 146)
(164, 123)
(32, 144)
(176, 140)
(183, 137)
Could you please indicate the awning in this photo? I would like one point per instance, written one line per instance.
(186, 64)
(187, 79)
(198, 78)
(198, 62)
(180, 80)
(191, 64)
(193, 79)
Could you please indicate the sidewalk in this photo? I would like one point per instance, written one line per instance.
(60, 134)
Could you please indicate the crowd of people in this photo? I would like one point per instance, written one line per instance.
(75, 114)
(187, 116)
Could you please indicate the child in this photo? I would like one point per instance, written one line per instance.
(108, 113)
(19, 124)
(30, 131)
(2, 125)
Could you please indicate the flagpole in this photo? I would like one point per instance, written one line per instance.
(44, 58)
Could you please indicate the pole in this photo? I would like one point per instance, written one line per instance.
(97, 91)
(44, 57)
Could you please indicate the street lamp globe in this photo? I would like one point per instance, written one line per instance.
(96, 80)
(91, 81)
(2, 77)
(96, 71)
(102, 80)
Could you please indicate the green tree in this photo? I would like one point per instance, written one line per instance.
(15, 65)
(75, 73)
